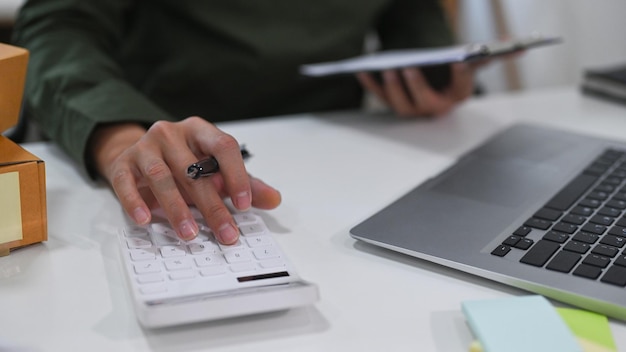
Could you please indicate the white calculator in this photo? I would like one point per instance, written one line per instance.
(175, 282)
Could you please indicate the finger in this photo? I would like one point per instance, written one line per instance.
(397, 94)
(462, 83)
(204, 192)
(265, 196)
(428, 101)
(368, 82)
(154, 167)
(124, 185)
(236, 181)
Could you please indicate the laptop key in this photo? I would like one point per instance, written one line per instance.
(574, 219)
(538, 223)
(555, 236)
(618, 231)
(501, 250)
(548, 214)
(621, 222)
(614, 241)
(621, 260)
(578, 247)
(585, 237)
(590, 203)
(524, 243)
(571, 192)
(602, 220)
(522, 231)
(594, 228)
(539, 254)
(588, 271)
(511, 240)
(564, 261)
(616, 275)
(604, 250)
(584, 211)
(608, 211)
(596, 260)
(565, 227)
(615, 203)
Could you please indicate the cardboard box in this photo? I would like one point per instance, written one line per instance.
(23, 216)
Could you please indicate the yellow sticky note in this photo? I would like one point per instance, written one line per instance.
(10, 208)
(592, 330)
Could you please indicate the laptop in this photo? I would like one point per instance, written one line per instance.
(536, 208)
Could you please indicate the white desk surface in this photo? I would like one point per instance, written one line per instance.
(67, 294)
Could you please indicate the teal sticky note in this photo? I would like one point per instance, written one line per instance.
(519, 324)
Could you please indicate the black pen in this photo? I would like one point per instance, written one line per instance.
(208, 167)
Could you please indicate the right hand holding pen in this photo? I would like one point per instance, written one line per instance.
(147, 169)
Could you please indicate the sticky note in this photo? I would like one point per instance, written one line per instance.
(519, 324)
(10, 208)
(592, 330)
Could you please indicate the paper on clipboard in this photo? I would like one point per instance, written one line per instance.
(424, 57)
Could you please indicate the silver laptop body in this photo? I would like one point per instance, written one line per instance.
(459, 217)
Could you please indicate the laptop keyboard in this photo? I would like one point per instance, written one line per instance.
(582, 229)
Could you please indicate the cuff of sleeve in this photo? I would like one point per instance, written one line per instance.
(108, 102)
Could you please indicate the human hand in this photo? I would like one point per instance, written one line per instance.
(147, 169)
(408, 93)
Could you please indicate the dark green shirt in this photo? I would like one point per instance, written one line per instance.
(102, 61)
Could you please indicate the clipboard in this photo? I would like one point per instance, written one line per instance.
(395, 59)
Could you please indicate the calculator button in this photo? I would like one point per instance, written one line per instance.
(266, 253)
(227, 247)
(271, 263)
(177, 264)
(164, 234)
(182, 275)
(165, 240)
(237, 268)
(172, 251)
(237, 256)
(153, 288)
(136, 231)
(147, 267)
(138, 242)
(257, 241)
(209, 260)
(244, 218)
(213, 271)
(202, 248)
(202, 236)
(141, 254)
(145, 279)
(251, 229)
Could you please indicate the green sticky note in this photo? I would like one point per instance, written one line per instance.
(591, 329)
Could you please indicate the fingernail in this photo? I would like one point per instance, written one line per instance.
(188, 230)
(243, 201)
(228, 234)
(141, 216)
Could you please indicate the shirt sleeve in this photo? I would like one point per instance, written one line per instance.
(73, 82)
(413, 24)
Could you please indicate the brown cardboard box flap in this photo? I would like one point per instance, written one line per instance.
(13, 62)
(11, 153)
